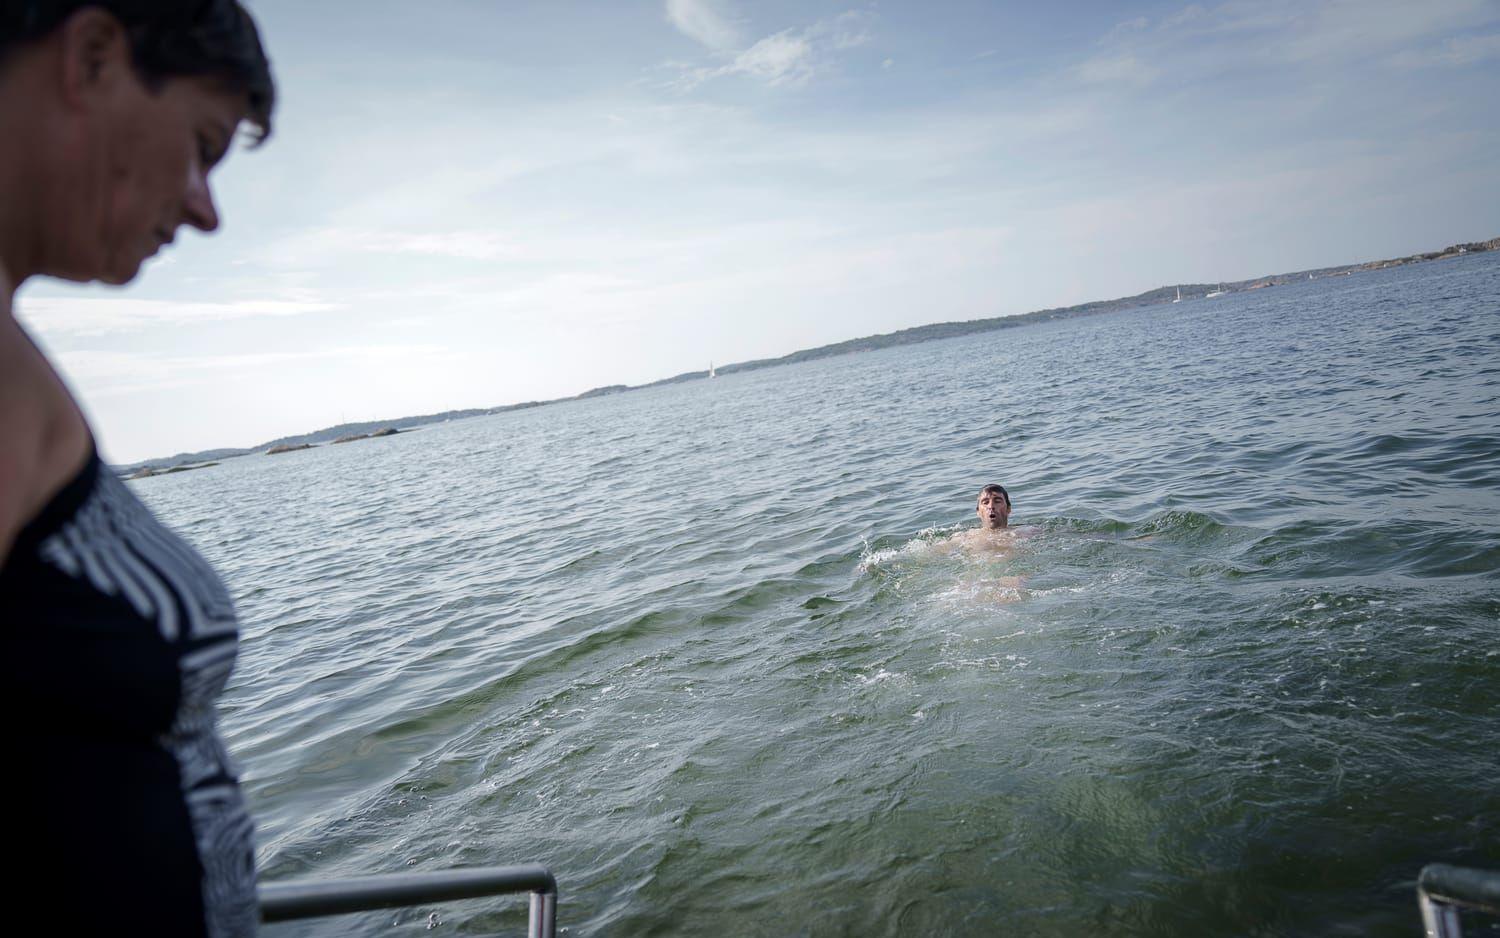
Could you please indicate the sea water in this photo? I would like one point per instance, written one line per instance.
(707, 651)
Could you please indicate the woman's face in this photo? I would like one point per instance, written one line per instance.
(149, 159)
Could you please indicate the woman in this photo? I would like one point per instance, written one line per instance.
(119, 638)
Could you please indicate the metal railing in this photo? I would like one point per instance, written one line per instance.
(1442, 890)
(283, 901)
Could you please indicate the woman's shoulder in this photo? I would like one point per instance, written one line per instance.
(47, 441)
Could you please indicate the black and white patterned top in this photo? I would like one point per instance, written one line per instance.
(119, 637)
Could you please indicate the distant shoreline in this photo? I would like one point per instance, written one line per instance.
(912, 336)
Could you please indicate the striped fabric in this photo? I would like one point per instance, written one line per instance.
(113, 545)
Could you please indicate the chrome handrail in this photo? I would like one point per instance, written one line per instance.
(311, 898)
(1442, 890)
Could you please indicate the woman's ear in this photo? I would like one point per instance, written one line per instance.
(95, 57)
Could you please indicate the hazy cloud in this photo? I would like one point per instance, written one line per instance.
(710, 22)
(1458, 52)
(1120, 69)
(1216, 39)
(470, 245)
(91, 316)
(789, 57)
(779, 59)
(109, 372)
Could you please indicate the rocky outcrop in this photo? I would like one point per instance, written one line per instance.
(383, 431)
(147, 472)
(287, 448)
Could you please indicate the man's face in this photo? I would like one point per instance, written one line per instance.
(994, 511)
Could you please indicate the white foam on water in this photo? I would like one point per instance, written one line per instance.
(929, 542)
(883, 676)
(979, 592)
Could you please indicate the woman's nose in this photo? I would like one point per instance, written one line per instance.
(198, 204)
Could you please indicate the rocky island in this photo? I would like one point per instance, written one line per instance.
(147, 472)
(351, 437)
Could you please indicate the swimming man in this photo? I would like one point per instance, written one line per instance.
(994, 539)
(994, 532)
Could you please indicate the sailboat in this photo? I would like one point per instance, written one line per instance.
(711, 372)
(1219, 292)
(1179, 296)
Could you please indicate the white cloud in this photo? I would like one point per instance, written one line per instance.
(783, 58)
(95, 315)
(1471, 49)
(788, 57)
(710, 22)
(1126, 28)
(847, 30)
(1122, 69)
(1343, 28)
(1454, 53)
(469, 245)
(107, 372)
(1237, 35)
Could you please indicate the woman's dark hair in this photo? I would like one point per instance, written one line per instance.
(168, 39)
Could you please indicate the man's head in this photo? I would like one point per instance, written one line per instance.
(994, 507)
(126, 106)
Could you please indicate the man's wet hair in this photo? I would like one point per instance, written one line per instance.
(213, 39)
(993, 489)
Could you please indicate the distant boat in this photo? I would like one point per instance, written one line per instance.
(711, 372)
(1219, 292)
(1179, 296)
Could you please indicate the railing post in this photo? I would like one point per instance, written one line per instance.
(543, 922)
(1442, 890)
(1439, 919)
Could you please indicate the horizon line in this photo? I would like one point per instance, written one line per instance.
(847, 346)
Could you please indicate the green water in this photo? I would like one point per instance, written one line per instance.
(704, 651)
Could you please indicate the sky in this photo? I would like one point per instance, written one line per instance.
(468, 203)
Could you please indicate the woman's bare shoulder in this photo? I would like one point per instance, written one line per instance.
(46, 439)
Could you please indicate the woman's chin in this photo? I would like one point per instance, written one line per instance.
(119, 274)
